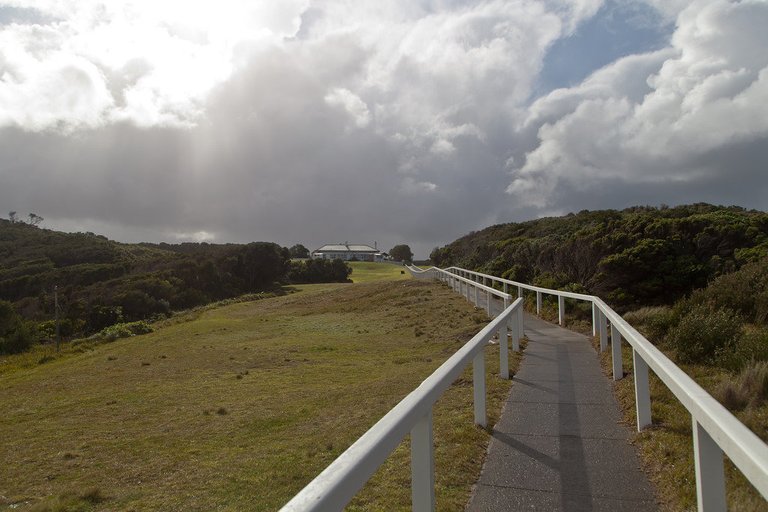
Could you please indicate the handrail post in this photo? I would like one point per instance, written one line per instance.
(519, 291)
(594, 319)
(506, 287)
(561, 310)
(520, 325)
(488, 302)
(478, 380)
(710, 476)
(504, 347)
(423, 465)
(476, 301)
(603, 328)
(515, 331)
(642, 391)
(618, 372)
(538, 303)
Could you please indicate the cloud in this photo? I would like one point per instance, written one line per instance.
(408, 121)
(650, 118)
(352, 103)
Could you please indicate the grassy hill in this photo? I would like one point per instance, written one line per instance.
(634, 257)
(238, 407)
(101, 282)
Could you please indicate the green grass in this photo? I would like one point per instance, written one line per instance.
(365, 272)
(666, 448)
(240, 406)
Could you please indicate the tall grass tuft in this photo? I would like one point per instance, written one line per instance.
(747, 389)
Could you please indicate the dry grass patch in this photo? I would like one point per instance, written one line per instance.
(242, 406)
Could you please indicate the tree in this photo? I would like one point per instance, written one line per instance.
(12, 216)
(401, 253)
(299, 251)
(35, 219)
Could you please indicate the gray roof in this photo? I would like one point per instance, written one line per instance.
(346, 248)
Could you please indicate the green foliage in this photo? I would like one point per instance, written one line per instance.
(635, 257)
(125, 330)
(101, 283)
(319, 271)
(703, 334)
(16, 335)
(299, 251)
(401, 252)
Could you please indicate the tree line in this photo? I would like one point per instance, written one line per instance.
(101, 282)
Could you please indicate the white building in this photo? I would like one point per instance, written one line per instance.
(349, 252)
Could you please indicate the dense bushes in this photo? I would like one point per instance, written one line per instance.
(319, 271)
(636, 257)
(124, 330)
(723, 324)
(16, 335)
(703, 334)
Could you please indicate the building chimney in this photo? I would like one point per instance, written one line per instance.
(375, 246)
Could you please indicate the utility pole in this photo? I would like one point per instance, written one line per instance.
(56, 312)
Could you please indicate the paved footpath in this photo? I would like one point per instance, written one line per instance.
(559, 444)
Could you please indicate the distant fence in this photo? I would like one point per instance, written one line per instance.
(715, 430)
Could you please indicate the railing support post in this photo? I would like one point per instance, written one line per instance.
(594, 319)
(488, 302)
(504, 347)
(519, 291)
(538, 303)
(561, 310)
(423, 465)
(478, 380)
(515, 331)
(506, 287)
(710, 476)
(642, 391)
(520, 325)
(476, 301)
(618, 372)
(603, 328)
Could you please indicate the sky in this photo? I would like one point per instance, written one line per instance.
(395, 121)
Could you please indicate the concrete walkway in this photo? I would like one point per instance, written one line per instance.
(559, 444)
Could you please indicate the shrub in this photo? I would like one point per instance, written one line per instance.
(752, 346)
(18, 340)
(125, 330)
(703, 333)
(655, 321)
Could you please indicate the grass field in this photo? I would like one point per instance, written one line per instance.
(242, 406)
(365, 272)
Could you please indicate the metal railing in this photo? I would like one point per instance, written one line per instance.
(338, 483)
(715, 430)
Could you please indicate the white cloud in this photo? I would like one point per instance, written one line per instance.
(652, 117)
(197, 236)
(411, 186)
(350, 102)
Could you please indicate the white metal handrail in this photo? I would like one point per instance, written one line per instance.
(338, 483)
(715, 430)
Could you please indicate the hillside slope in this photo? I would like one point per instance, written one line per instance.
(101, 282)
(633, 257)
